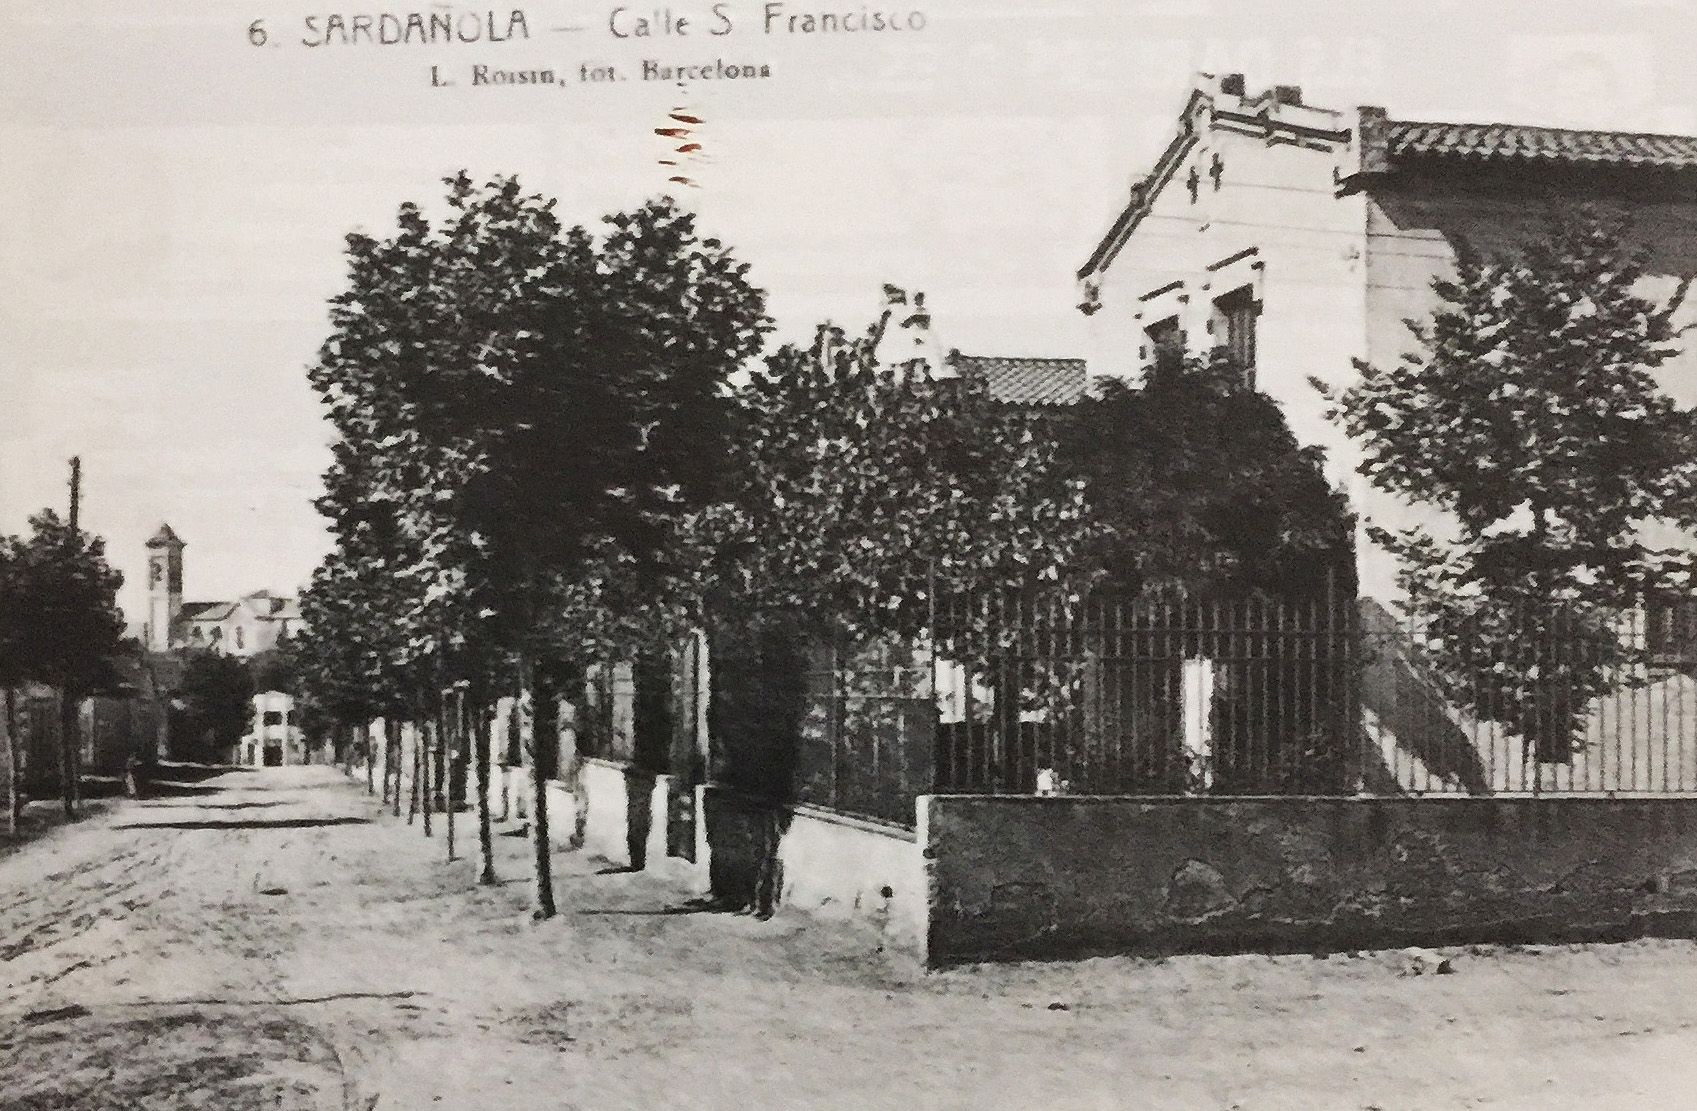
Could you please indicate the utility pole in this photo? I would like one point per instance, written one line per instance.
(70, 717)
(76, 489)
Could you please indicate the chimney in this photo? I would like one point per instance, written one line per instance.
(1371, 128)
(1288, 94)
(1232, 84)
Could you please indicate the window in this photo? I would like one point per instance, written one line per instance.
(1165, 344)
(240, 640)
(1236, 313)
(1670, 627)
(273, 717)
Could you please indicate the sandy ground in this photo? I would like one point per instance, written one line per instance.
(269, 940)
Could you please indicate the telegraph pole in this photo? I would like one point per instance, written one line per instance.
(76, 490)
(70, 742)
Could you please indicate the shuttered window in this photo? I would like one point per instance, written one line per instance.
(1238, 311)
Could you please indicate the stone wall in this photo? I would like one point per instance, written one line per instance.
(1060, 877)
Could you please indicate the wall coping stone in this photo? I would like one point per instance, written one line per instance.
(823, 814)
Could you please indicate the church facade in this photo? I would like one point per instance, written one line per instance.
(239, 627)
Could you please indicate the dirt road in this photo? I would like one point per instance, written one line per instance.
(267, 939)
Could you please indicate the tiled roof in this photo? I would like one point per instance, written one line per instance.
(1501, 141)
(1026, 381)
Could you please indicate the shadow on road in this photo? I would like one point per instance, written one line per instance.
(256, 823)
(694, 906)
(170, 788)
(207, 805)
(194, 773)
(211, 1001)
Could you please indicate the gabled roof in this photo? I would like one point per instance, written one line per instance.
(205, 611)
(1023, 381)
(1380, 146)
(1275, 115)
(165, 537)
(1481, 142)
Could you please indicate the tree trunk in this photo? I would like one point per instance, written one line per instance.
(539, 841)
(412, 795)
(370, 758)
(452, 733)
(69, 754)
(429, 740)
(485, 832)
(543, 742)
(392, 745)
(9, 761)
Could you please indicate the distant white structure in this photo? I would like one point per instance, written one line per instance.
(249, 624)
(274, 738)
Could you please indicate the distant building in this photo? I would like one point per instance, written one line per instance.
(274, 739)
(242, 627)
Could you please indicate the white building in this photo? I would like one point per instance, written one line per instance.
(274, 738)
(252, 623)
(1298, 239)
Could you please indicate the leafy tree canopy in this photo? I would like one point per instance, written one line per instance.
(60, 624)
(218, 692)
(523, 412)
(1531, 413)
(1195, 481)
(856, 486)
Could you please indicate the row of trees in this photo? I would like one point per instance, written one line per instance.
(557, 447)
(60, 626)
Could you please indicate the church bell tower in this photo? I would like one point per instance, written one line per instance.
(164, 586)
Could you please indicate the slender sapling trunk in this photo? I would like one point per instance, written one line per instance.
(485, 831)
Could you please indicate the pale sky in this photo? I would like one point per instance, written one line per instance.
(175, 198)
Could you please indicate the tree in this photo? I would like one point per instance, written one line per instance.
(531, 406)
(1195, 482)
(1202, 500)
(274, 670)
(864, 486)
(218, 691)
(352, 657)
(1532, 416)
(858, 487)
(64, 605)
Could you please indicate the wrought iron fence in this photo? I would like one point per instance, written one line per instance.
(1319, 696)
(1152, 696)
(1538, 699)
(1322, 696)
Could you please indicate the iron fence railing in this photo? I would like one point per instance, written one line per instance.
(1322, 696)
(1531, 699)
(1151, 697)
(1316, 696)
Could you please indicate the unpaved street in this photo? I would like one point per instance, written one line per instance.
(267, 939)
